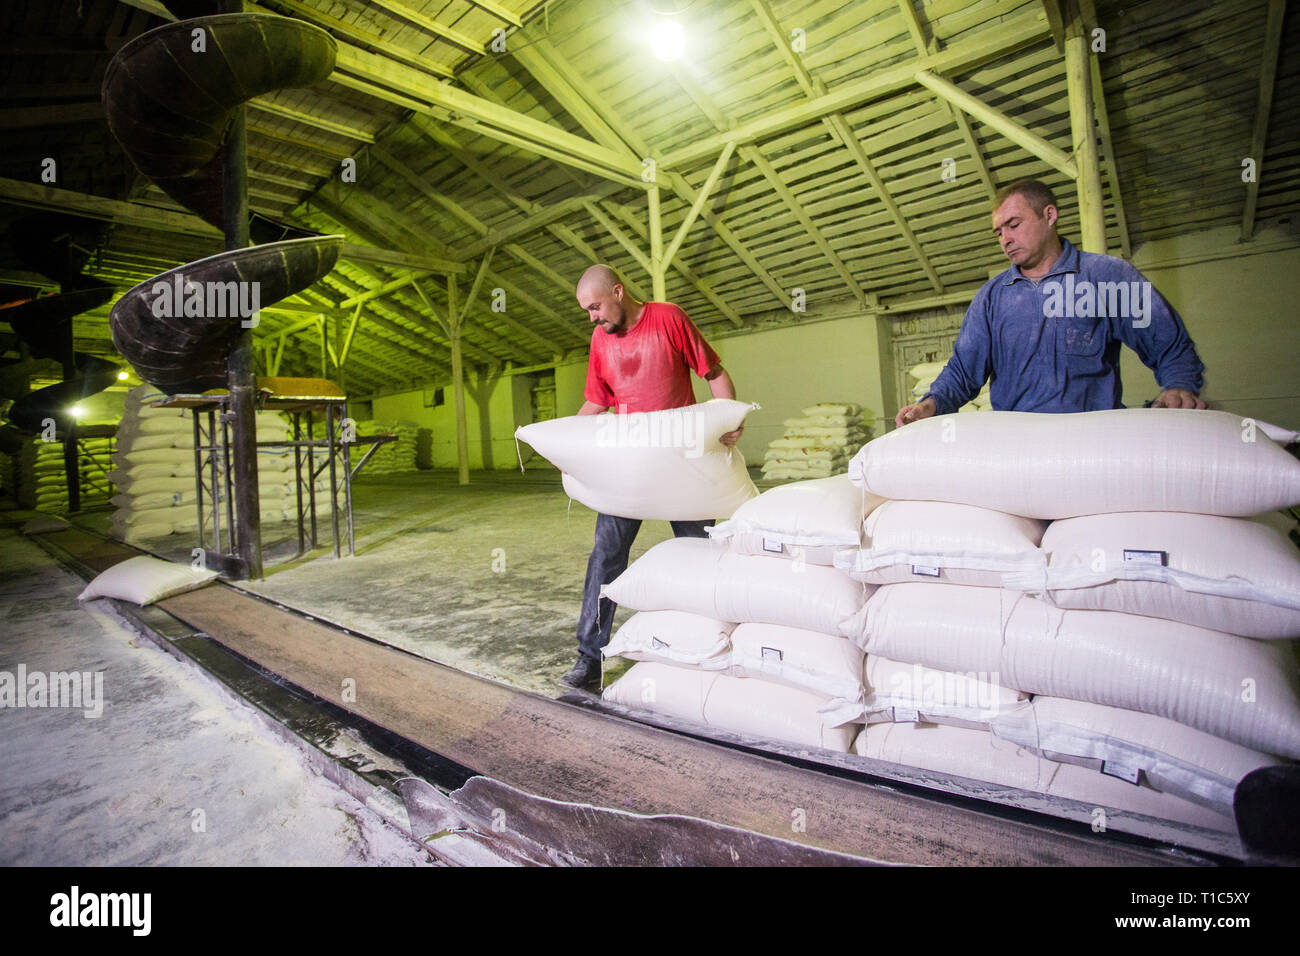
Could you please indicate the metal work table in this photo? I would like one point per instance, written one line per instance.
(300, 398)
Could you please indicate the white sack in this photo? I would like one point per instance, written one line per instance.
(672, 691)
(666, 465)
(1062, 466)
(898, 691)
(823, 514)
(1232, 687)
(760, 708)
(928, 541)
(1228, 574)
(981, 756)
(697, 575)
(825, 664)
(1169, 756)
(673, 637)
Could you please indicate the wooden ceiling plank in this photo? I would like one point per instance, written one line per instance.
(1263, 109)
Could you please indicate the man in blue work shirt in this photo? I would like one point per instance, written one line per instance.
(1048, 330)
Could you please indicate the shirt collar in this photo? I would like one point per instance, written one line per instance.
(1068, 261)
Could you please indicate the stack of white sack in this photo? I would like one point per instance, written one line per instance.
(657, 466)
(394, 457)
(154, 470)
(742, 632)
(153, 467)
(819, 444)
(923, 376)
(41, 479)
(275, 475)
(1152, 620)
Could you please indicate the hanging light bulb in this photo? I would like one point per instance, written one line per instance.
(667, 39)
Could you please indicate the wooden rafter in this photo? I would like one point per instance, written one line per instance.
(1263, 109)
(1013, 34)
(841, 132)
(959, 119)
(566, 84)
(754, 155)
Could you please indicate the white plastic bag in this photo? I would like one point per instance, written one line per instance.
(1236, 688)
(1228, 574)
(927, 541)
(1062, 466)
(703, 577)
(815, 517)
(666, 465)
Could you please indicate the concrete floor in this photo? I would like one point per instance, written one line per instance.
(486, 577)
(123, 788)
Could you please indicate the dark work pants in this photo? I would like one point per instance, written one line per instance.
(614, 537)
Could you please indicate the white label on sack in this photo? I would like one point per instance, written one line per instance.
(1112, 769)
(922, 569)
(772, 654)
(773, 545)
(657, 644)
(1158, 558)
(906, 715)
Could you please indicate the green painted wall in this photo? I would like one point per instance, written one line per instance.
(1243, 313)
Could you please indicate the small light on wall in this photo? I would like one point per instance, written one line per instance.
(667, 39)
(76, 411)
(123, 375)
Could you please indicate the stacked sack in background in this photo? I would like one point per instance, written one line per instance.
(154, 471)
(923, 376)
(394, 457)
(819, 444)
(741, 632)
(1151, 620)
(153, 468)
(41, 481)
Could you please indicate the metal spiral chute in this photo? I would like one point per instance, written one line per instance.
(173, 98)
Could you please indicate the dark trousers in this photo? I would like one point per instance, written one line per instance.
(614, 537)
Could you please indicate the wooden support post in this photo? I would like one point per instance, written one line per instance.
(241, 377)
(458, 380)
(1083, 129)
(1263, 109)
(656, 246)
(698, 205)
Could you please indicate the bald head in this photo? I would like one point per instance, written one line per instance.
(599, 278)
(603, 297)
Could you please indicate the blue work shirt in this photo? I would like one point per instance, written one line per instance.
(1054, 346)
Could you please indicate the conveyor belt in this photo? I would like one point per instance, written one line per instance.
(567, 753)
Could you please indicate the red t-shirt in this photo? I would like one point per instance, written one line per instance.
(649, 368)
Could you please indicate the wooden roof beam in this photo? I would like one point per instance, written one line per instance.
(403, 12)
(1017, 132)
(560, 231)
(1008, 36)
(843, 133)
(754, 155)
(418, 183)
(1263, 109)
(573, 87)
(638, 227)
(958, 117)
(379, 77)
(550, 347)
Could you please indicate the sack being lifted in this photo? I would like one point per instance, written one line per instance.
(667, 465)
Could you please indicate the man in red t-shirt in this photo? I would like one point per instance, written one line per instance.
(642, 356)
